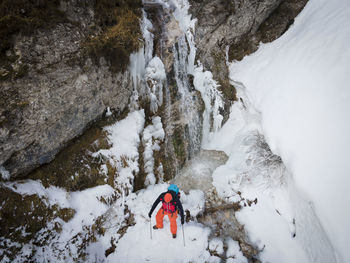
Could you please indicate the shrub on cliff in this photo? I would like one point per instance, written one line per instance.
(117, 42)
(121, 33)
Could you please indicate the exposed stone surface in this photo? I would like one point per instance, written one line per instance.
(238, 25)
(74, 168)
(270, 29)
(59, 93)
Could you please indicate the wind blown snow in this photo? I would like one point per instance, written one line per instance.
(300, 83)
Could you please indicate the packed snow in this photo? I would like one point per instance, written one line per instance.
(300, 83)
(140, 243)
(139, 246)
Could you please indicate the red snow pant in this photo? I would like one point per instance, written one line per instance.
(172, 218)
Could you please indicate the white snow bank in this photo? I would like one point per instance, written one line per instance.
(85, 203)
(254, 173)
(234, 253)
(216, 245)
(136, 245)
(300, 83)
(271, 232)
(53, 195)
(124, 136)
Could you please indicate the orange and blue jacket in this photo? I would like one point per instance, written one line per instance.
(171, 207)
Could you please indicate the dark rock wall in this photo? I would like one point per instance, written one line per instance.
(56, 80)
(239, 26)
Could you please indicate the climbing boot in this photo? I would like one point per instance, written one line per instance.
(174, 235)
(155, 227)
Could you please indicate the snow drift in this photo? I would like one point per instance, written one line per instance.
(300, 83)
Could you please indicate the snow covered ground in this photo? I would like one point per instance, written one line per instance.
(138, 244)
(300, 83)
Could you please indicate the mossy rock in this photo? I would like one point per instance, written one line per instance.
(74, 168)
(65, 214)
(107, 12)
(22, 217)
(25, 219)
(8, 72)
(121, 33)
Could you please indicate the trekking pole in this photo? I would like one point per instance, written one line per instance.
(183, 235)
(150, 227)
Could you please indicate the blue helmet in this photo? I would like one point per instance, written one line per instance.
(173, 187)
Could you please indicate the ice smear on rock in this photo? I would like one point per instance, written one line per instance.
(152, 136)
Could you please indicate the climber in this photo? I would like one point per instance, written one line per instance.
(170, 206)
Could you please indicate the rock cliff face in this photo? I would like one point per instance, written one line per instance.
(229, 30)
(55, 84)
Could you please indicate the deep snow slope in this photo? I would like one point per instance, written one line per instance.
(300, 83)
(281, 223)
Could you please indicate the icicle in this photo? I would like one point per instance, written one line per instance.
(152, 135)
(203, 80)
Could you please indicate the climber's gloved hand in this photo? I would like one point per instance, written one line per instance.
(182, 220)
(149, 214)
